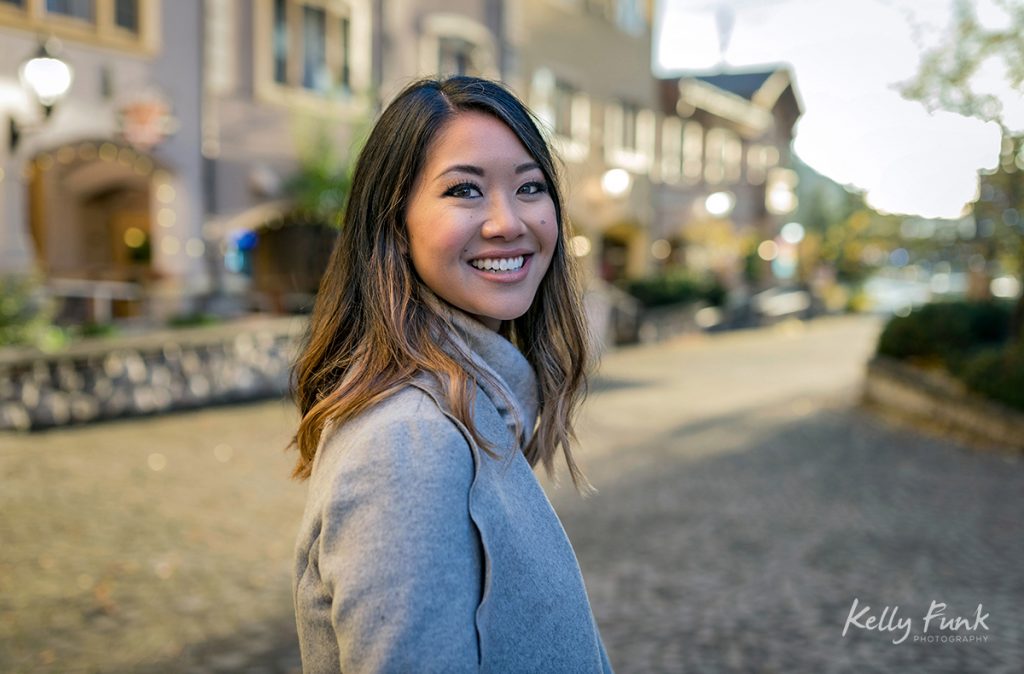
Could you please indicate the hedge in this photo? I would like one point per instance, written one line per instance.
(997, 372)
(676, 288)
(969, 339)
(946, 331)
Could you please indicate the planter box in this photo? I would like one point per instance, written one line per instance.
(935, 401)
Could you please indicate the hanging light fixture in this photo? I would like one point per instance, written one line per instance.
(47, 77)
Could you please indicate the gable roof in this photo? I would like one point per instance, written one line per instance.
(741, 84)
(762, 85)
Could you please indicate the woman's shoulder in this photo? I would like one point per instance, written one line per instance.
(405, 436)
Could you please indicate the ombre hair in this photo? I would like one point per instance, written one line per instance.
(374, 328)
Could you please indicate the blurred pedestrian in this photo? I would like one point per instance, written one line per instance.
(446, 356)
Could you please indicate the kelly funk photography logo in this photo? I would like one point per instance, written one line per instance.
(937, 625)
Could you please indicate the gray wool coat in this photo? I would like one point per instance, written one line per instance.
(418, 552)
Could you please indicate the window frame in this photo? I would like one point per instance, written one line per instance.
(102, 31)
(714, 155)
(692, 169)
(630, 132)
(761, 158)
(574, 145)
(463, 48)
(571, 143)
(732, 157)
(440, 26)
(349, 61)
(672, 149)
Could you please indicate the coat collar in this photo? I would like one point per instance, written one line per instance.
(513, 390)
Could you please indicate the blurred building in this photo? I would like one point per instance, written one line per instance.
(726, 173)
(101, 189)
(171, 156)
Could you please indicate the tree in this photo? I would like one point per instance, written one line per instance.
(951, 77)
(292, 251)
(319, 188)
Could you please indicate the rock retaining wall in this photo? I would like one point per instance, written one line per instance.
(170, 370)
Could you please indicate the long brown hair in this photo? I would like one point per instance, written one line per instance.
(373, 328)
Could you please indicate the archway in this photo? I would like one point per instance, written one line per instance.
(91, 208)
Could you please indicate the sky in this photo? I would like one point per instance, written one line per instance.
(847, 57)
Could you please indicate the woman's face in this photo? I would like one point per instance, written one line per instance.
(481, 221)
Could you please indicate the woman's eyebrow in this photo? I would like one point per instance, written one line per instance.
(462, 168)
(477, 171)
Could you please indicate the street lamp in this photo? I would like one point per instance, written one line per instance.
(48, 77)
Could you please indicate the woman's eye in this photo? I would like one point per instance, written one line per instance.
(463, 191)
(533, 188)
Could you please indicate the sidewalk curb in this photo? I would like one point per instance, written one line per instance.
(936, 402)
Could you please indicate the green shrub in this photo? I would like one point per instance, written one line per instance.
(947, 332)
(715, 293)
(93, 330)
(676, 288)
(26, 315)
(998, 373)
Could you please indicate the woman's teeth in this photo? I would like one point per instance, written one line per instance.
(499, 263)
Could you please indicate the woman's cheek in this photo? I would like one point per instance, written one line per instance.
(549, 228)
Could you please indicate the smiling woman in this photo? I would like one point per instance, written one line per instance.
(446, 355)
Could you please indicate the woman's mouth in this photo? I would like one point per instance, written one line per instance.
(512, 269)
(499, 264)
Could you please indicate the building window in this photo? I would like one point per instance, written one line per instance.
(760, 158)
(756, 168)
(571, 122)
(455, 57)
(77, 9)
(671, 149)
(732, 156)
(311, 47)
(126, 24)
(562, 107)
(631, 17)
(646, 132)
(313, 53)
(627, 133)
(714, 156)
(280, 41)
(630, 136)
(316, 74)
(564, 111)
(344, 57)
(693, 152)
(126, 15)
(453, 44)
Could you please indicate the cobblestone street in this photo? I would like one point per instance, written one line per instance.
(744, 504)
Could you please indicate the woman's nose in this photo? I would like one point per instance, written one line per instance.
(503, 219)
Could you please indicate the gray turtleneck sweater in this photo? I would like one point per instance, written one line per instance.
(418, 552)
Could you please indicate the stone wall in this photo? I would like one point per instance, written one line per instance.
(146, 374)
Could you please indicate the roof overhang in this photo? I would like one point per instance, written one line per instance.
(721, 103)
